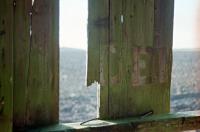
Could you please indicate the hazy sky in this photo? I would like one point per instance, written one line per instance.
(185, 17)
(73, 23)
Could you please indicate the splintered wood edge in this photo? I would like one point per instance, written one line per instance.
(173, 121)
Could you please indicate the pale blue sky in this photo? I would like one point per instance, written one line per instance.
(73, 23)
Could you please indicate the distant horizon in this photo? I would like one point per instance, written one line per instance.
(75, 28)
(174, 49)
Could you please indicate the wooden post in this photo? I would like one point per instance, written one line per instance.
(22, 22)
(6, 65)
(43, 74)
(140, 56)
(36, 63)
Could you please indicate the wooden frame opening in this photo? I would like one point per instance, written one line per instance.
(130, 54)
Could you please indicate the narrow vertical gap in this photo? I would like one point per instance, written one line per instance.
(109, 37)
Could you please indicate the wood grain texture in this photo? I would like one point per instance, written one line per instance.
(139, 59)
(6, 65)
(98, 49)
(117, 86)
(36, 63)
(22, 23)
(42, 98)
(95, 22)
(104, 60)
(139, 72)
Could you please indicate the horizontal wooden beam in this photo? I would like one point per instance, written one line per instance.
(172, 122)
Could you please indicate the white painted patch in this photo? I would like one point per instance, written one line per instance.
(122, 18)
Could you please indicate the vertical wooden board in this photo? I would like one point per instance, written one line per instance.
(117, 62)
(6, 65)
(164, 13)
(139, 72)
(140, 21)
(93, 58)
(104, 57)
(54, 59)
(138, 41)
(42, 102)
(163, 28)
(21, 60)
(98, 46)
(152, 65)
(131, 26)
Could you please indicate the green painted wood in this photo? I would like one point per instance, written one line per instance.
(36, 60)
(150, 65)
(104, 59)
(139, 25)
(22, 22)
(6, 65)
(98, 49)
(172, 122)
(145, 91)
(133, 89)
(93, 60)
(43, 73)
(139, 59)
(117, 86)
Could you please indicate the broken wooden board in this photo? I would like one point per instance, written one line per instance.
(98, 49)
(139, 57)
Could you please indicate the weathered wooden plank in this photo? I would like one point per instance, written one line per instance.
(164, 12)
(163, 37)
(98, 49)
(6, 65)
(55, 61)
(139, 17)
(151, 66)
(158, 123)
(104, 58)
(140, 57)
(117, 87)
(96, 21)
(22, 22)
(137, 33)
(131, 29)
(42, 101)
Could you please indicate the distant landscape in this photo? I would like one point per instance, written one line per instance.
(78, 102)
